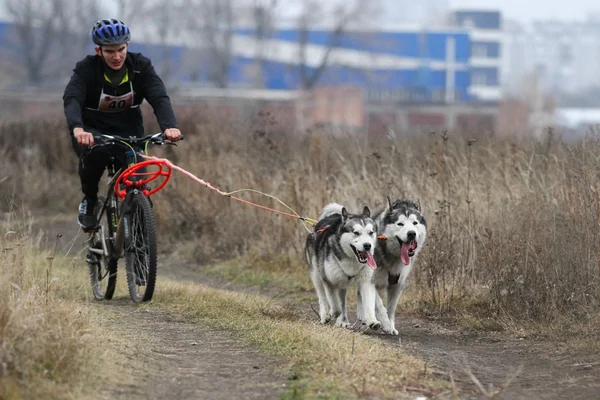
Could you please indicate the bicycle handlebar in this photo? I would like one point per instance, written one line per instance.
(106, 140)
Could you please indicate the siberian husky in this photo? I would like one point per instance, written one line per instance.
(338, 251)
(402, 232)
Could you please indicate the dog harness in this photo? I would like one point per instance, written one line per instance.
(322, 229)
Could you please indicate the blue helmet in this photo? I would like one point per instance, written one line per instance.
(110, 31)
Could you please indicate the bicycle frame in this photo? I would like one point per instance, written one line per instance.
(113, 248)
(118, 230)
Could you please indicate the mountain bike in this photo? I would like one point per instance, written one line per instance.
(126, 224)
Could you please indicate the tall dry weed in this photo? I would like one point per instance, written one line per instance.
(43, 347)
(513, 221)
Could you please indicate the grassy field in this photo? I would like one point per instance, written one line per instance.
(56, 346)
(513, 222)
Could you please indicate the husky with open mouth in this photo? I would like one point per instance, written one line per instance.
(402, 232)
(339, 250)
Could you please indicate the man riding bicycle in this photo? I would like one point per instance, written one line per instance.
(103, 96)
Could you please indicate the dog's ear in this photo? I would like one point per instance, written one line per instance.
(389, 202)
(419, 205)
(367, 212)
(344, 214)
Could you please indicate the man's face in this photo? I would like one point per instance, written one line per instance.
(114, 55)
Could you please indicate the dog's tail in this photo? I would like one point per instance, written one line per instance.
(331, 209)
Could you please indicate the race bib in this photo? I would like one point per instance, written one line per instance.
(110, 103)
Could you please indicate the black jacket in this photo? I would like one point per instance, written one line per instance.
(82, 95)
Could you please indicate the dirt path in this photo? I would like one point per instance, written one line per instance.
(538, 370)
(162, 355)
(186, 361)
(180, 361)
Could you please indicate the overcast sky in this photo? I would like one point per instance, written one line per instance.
(526, 10)
(521, 10)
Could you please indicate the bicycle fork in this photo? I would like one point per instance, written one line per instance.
(123, 237)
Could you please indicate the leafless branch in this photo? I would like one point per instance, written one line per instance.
(48, 31)
(212, 21)
(338, 21)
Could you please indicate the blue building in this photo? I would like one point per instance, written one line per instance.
(485, 31)
(411, 66)
(460, 64)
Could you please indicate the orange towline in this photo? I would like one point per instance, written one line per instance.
(169, 164)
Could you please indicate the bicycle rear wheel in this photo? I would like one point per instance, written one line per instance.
(103, 269)
(140, 253)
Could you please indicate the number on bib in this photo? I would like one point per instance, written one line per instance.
(117, 105)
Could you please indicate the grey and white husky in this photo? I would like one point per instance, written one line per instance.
(402, 232)
(339, 250)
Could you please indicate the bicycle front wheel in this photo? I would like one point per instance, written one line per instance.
(140, 253)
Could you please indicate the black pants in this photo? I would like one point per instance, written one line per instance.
(93, 163)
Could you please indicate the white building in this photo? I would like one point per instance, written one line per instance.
(562, 54)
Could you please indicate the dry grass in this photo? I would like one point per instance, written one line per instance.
(513, 222)
(55, 343)
(44, 334)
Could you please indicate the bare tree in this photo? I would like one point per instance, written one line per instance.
(78, 20)
(213, 20)
(132, 11)
(48, 31)
(337, 21)
(165, 29)
(263, 15)
(37, 25)
(166, 26)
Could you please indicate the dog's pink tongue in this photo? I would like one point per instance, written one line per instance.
(371, 261)
(404, 253)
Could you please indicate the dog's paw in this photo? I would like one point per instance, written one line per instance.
(391, 331)
(325, 319)
(342, 324)
(375, 325)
